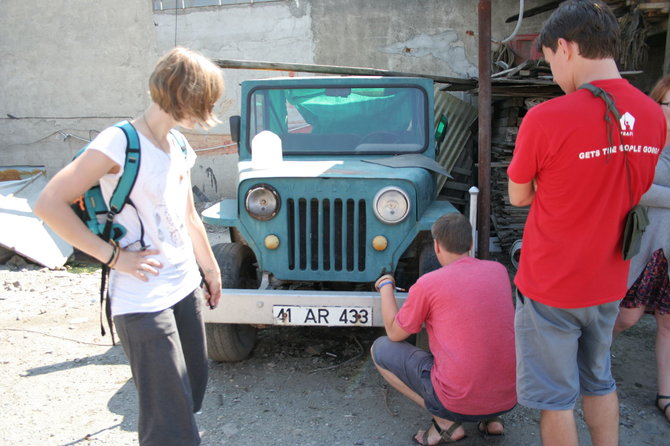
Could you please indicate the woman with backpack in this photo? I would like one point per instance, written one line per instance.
(154, 283)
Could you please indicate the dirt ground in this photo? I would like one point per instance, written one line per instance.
(64, 384)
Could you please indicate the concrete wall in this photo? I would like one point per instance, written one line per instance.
(72, 67)
(69, 67)
(276, 31)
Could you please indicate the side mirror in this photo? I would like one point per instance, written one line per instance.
(235, 128)
(440, 132)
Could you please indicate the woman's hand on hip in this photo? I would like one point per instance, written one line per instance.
(139, 264)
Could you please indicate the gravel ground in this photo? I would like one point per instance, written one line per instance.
(64, 384)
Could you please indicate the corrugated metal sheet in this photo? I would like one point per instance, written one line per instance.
(460, 117)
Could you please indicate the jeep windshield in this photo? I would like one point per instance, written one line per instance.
(342, 120)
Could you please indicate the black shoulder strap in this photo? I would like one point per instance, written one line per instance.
(605, 96)
(613, 111)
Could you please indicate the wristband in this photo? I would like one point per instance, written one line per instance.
(116, 251)
(386, 282)
(384, 278)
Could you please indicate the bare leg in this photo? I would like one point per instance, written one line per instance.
(400, 386)
(558, 428)
(602, 416)
(663, 358)
(627, 318)
(433, 436)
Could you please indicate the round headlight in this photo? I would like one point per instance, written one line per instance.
(262, 202)
(391, 205)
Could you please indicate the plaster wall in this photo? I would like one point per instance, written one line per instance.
(72, 67)
(429, 37)
(276, 31)
(417, 36)
(69, 68)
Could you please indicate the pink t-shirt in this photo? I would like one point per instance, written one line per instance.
(469, 316)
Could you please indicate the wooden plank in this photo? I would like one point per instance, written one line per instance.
(463, 187)
(335, 69)
(659, 6)
(535, 11)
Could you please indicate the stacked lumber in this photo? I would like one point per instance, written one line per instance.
(508, 221)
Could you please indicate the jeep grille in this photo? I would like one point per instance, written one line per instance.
(326, 235)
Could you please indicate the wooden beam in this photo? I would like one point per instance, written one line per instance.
(334, 69)
(535, 11)
(663, 6)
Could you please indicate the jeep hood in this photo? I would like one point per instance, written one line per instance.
(407, 167)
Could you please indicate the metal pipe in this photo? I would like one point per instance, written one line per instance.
(485, 112)
(474, 191)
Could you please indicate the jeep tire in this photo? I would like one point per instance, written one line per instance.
(233, 342)
(427, 262)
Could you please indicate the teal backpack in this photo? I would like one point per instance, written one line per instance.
(99, 217)
(91, 207)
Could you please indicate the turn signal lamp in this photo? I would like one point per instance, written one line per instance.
(379, 243)
(272, 242)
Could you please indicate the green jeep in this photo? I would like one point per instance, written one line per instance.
(346, 194)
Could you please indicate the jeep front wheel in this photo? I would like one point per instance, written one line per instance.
(233, 342)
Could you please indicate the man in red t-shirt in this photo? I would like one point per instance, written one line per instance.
(466, 306)
(581, 176)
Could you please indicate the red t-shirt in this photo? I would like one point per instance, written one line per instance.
(469, 316)
(571, 253)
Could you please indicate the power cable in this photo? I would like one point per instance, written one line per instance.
(176, 14)
(516, 28)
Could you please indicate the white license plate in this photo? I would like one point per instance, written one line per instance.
(326, 316)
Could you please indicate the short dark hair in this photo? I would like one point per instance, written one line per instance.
(589, 23)
(453, 232)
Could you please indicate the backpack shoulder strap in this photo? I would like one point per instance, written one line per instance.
(118, 200)
(131, 167)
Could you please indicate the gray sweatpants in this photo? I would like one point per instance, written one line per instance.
(168, 360)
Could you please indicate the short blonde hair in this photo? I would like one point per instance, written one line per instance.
(186, 85)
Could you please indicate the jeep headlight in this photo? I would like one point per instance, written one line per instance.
(391, 205)
(262, 202)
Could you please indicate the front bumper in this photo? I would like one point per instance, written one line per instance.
(241, 306)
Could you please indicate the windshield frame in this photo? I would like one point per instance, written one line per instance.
(419, 145)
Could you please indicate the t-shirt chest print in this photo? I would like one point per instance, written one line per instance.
(627, 128)
(169, 223)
